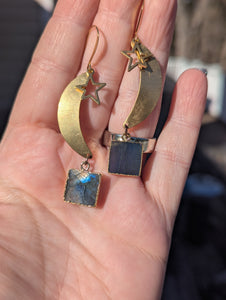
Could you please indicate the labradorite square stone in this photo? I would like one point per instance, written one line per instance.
(82, 187)
(125, 158)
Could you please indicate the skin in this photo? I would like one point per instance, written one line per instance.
(53, 250)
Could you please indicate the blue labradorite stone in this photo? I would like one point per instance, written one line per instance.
(125, 158)
(82, 187)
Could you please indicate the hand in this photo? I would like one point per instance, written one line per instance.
(53, 250)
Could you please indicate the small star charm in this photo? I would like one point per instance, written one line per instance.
(142, 58)
(82, 88)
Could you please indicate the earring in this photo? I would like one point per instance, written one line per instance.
(126, 152)
(82, 187)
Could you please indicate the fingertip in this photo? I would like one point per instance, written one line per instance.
(195, 75)
(189, 96)
(192, 84)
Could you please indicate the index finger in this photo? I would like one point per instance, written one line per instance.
(54, 63)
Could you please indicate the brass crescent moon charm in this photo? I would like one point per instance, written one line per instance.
(69, 109)
(68, 115)
(150, 83)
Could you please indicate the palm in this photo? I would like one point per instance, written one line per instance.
(117, 251)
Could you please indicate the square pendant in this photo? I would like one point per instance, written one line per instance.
(82, 187)
(125, 158)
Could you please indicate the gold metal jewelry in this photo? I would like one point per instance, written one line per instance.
(148, 144)
(69, 106)
(82, 186)
(125, 157)
(150, 79)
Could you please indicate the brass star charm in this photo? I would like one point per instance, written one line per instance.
(82, 88)
(142, 58)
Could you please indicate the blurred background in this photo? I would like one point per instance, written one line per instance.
(197, 262)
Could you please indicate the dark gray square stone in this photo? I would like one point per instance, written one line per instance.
(125, 158)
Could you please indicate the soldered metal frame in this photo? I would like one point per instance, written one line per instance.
(148, 144)
(132, 141)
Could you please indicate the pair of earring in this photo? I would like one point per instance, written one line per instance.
(126, 152)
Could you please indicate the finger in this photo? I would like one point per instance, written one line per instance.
(166, 171)
(115, 19)
(54, 63)
(155, 32)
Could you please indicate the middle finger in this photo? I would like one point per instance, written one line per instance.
(115, 20)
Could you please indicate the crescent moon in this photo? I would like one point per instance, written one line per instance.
(68, 116)
(149, 91)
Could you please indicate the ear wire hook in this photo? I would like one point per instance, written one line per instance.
(89, 68)
(139, 19)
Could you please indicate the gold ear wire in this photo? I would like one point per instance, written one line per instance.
(139, 19)
(95, 47)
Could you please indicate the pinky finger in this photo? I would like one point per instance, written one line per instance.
(166, 171)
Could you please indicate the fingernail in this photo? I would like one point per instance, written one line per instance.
(205, 72)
